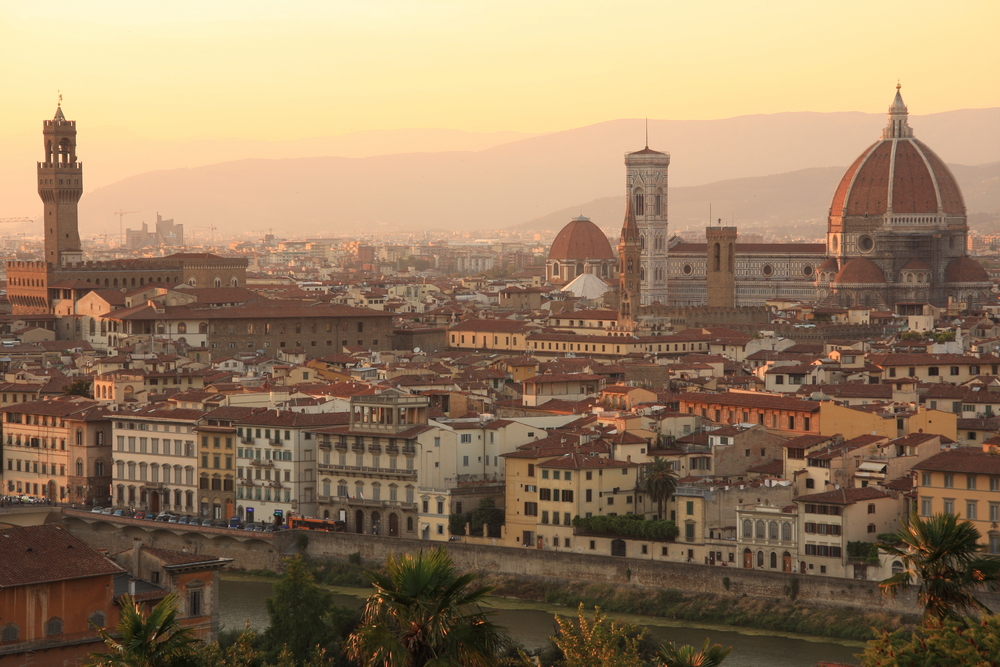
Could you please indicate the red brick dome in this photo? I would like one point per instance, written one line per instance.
(581, 239)
(860, 271)
(965, 270)
(897, 173)
(830, 264)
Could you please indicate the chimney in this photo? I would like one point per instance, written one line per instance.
(131, 586)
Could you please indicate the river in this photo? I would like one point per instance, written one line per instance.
(531, 624)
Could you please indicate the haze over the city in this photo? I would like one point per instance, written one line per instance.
(734, 90)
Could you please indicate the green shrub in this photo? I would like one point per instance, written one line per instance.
(354, 558)
(630, 525)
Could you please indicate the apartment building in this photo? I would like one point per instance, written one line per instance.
(58, 449)
(368, 466)
(966, 482)
(155, 459)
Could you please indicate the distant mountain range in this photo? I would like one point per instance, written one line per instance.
(797, 201)
(757, 170)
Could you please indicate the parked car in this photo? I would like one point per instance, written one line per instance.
(118, 513)
(185, 520)
(259, 528)
(151, 516)
(173, 519)
(250, 526)
(164, 517)
(108, 510)
(139, 515)
(97, 510)
(270, 528)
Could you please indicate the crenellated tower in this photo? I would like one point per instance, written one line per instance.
(629, 277)
(60, 185)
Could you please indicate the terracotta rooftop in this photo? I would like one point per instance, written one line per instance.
(39, 554)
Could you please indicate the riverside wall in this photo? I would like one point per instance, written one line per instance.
(261, 551)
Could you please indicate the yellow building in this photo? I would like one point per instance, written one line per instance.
(860, 420)
(966, 482)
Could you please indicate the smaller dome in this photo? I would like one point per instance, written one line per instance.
(829, 265)
(915, 265)
(860, 271)
(581, 239)
(965, 270)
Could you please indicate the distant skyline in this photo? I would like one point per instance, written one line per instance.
(270, 71)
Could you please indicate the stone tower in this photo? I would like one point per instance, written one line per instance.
(646, 189)
(629, 281)
(720, 274)
(60, 185)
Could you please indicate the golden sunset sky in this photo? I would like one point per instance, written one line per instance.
(290, 70)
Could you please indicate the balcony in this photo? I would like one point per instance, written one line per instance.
(340, 446)
(274, 443)
(247, 440)
(392, 449)
(409, 449)
(258, 463)
(358, 448)
(374, 449)
(368, 470)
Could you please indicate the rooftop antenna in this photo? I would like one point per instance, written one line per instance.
(647, 131)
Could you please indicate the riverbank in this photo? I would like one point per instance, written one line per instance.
(531, 624)
(736, 612)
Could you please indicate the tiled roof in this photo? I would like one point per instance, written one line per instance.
(844, 496)
(962, 460)
(751, 400)
(38, 554)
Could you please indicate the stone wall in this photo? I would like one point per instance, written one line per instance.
(264, 550)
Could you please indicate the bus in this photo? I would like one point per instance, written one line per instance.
(309, 523)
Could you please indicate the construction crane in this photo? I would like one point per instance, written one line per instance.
(6, 220)
(213, 228)
(121, 228)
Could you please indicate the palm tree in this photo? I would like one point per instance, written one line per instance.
(671, 655)
(423, 613)
(156, 640)
(659, 481)
(944, 554)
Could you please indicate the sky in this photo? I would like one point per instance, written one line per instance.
(192, 70)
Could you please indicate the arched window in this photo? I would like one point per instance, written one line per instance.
(121, 469)
(786, 532)
(760, 559)
(218, 281)
(79, 468)
(760, 531)
(131, 469)
(99, 438)
(54, 626)
(747, 528)
(99, 469)
(409, 524)
(235, 282)
(97, 619)
(897, 567)
(642, 241)
(10, 633)
(774, 560)
(93, 327)
(717, 257)
(182, 327)
(772, 531)
(639, 202)
(79, 437)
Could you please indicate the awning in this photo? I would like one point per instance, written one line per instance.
(871, 466)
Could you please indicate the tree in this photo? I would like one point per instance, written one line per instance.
(597, 642)
(944, 554)
(155, 640)
(951, 643)
(79, 387)
(297, 612)
(671, 655)
(659, 482)
(423, 613)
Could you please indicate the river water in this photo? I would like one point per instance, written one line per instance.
(531, 624)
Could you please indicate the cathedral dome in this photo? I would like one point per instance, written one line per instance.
(581, 239)
(898, 175)
(860, 271)
(965, 270)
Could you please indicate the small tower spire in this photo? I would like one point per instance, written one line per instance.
(59, 112)
(898, 126)
(629, 271)
(647, 133)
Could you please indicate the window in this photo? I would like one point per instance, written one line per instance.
(970, 482)
(466, 437)
(949, 481)
(949, 505)
(194, 603)
(925, 479)
(530, 509)
(971, 510)
(933, 371)
(871, 508)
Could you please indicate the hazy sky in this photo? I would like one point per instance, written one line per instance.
(287, 70)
